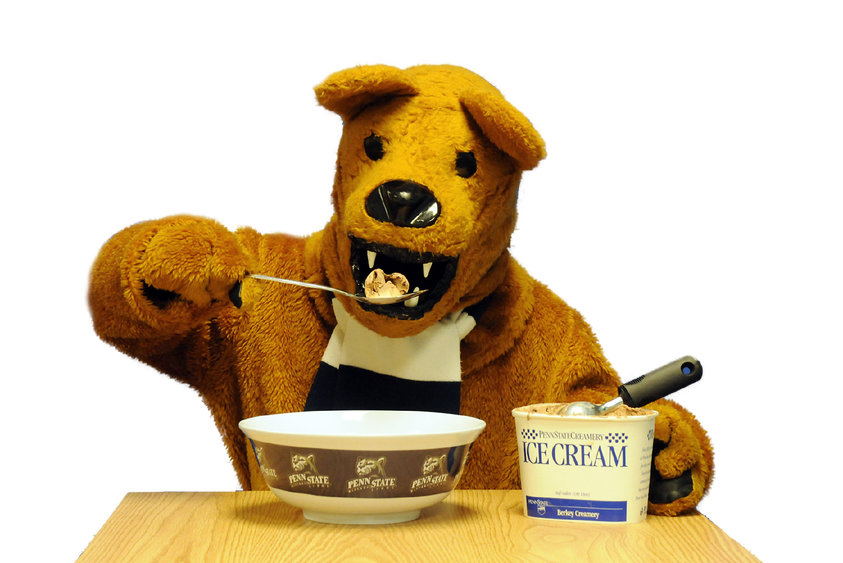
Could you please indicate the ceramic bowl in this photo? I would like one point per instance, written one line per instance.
(361, 467)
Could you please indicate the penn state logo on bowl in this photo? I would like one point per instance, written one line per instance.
(306, 472)
(261, 457)
(435, 472)
(372, 475)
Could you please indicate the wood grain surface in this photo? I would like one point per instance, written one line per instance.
(256, 527)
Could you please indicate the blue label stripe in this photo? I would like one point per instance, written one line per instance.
(575, 509)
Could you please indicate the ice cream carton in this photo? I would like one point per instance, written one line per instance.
(585, 468)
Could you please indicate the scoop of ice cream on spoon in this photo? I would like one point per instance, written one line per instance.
(407, 298)
(380, 284)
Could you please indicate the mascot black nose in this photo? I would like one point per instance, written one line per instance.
(404, 204)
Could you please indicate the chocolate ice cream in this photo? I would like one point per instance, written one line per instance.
(622, 411)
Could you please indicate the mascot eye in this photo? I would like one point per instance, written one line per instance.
(373, 145)
(466, 164)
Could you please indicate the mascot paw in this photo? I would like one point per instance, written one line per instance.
(198, 261)
(666, 491)
(669, 491)
(677, 478)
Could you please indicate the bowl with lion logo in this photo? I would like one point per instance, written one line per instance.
(361, 467)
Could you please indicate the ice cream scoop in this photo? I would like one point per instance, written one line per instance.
(656, 384)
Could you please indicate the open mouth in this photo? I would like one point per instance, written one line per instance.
(427, 271)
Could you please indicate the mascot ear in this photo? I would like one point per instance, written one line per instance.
(505, 126)
(347, 92)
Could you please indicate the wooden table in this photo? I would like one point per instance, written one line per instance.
(468, 526)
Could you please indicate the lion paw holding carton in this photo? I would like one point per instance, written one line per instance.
(428, 172)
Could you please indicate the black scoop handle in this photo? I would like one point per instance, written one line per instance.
(661, 382)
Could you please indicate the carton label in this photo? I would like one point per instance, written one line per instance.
(560, 448)
(573, 509)
(585, 470)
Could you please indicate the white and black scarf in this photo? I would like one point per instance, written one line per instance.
(362, 370)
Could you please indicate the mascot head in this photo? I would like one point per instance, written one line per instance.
(427, 178)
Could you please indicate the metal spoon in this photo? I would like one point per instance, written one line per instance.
(657, 384)
(361, 298)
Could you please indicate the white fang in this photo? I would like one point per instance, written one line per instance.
(371, 256)
(412, 302)
(426, 268)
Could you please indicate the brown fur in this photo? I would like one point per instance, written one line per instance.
(528, 347)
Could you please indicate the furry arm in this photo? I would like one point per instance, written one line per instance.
(155, 283)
